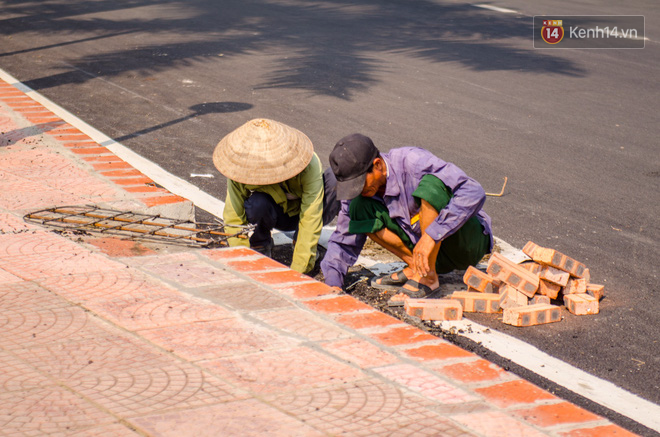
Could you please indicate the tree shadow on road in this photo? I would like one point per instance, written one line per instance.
(333, 47)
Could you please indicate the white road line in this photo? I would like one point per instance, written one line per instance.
(523, 354)
(496, 8)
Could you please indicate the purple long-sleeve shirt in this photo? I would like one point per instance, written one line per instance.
(405, 168)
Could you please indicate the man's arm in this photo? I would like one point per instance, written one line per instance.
(234, 212)
(343, 250)
(311, 217)
(468, 197)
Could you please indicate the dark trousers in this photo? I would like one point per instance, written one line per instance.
(262, 211)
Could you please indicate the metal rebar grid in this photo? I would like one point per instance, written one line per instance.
(92, 219)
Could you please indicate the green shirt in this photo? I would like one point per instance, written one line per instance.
(305, 199)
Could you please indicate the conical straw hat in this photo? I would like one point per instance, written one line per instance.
(263, 152)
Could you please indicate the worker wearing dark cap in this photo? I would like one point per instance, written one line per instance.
(422, 209)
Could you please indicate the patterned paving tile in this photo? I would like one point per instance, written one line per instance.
(152, 389)
(242, 418)
(244, 295)
(24, 194)
(184, 269)
(360, 352)
(41, 163)
(162, 309)
(365, 408)
(47, 411)
(122, 283)
(425, 383)
(24, 327)
(37, 266)
(112, 430)
(17, 295)
(217, 339)
(73, 360)
(496, 424)
(36, 242)
(10, 223)
(18, 376)
(302, 323)
(282, 370)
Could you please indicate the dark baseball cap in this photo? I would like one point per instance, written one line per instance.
(350, 160)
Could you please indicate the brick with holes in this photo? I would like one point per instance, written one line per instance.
(511, 298)
(477, 280)
(532, 266)
(477, 302)
(554, 275)
(512, 274)
(531, 315)
(581, 304)
(434, 309)
(576, 286)
(596, 290)
(549, 289)
(555, 259)
(539, 298)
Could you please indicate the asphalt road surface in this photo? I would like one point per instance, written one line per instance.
(575, 131)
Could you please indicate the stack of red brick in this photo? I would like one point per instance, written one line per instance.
(523, 291)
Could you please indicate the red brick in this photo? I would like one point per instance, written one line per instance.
(529, 248)
(73, 137)
(40, 120)
(76, 144)
(308, 290)
(556, 414)
(596, 290)
(599, 431)
(162, 200)
(539, 298)
(91, 151)
(367, 320)
(438, 352)
(549, 289)
(576, 286)
(434, 309)
(554, 275)
(509, 297)
(554, 258)
(134, 181)
(111, 166)
(479, 281)
(476, 302)
(475, 371)
(507, 271)
(514, 392)
(120, 173)
(337, 305)
(402, 335)
(273, 278)
(102, 158)
(531, 266)
(581, 304)
(254, 265)
(532, 315)
(230, 253)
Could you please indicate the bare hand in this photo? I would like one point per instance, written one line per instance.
(421, 254)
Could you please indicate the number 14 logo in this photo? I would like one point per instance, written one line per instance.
(552, 34)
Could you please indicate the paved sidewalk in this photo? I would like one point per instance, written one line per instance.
(109, 337)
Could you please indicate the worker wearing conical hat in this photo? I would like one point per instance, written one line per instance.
(276, 181)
